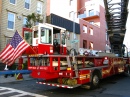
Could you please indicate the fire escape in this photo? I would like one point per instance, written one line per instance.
(116, 17)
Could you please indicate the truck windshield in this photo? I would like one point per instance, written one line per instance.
(46, 35)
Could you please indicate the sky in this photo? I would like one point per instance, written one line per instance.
(127, 35)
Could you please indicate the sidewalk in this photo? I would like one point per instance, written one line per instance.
(12, 79)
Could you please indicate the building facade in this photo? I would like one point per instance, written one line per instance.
(13, 15)
(92, 25)
(84, 19)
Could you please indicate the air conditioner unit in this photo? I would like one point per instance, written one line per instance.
(19, 17)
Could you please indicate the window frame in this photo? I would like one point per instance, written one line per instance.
(10, 21)
(91, 22)
(91, 31)
(91, 12)
(29, 40)
(85, 29)
(85, 44)
(47, 36)
(24, 21)
(28, 3)
(41, 7)
(91, 45)
(12, 3)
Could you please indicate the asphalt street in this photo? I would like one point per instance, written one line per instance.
(116, 86)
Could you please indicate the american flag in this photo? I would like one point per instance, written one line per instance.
(14, 49)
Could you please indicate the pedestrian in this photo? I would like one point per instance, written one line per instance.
(8, 68)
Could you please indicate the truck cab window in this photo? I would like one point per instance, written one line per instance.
(46, 35)
(42, 32)
(28, 37)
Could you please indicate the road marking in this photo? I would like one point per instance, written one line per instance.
(2, 89)
(6, 92)
(22, 93)
(18, 95)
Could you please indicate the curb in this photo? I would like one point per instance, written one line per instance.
(13, 79)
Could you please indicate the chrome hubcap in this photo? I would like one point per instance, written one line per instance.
(95, 80)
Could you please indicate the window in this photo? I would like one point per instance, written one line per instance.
(91, 12)
(84, 43)
(39, 7)
(24, 21)
(91, 22)
(84, 29)
(91, 31)
(91, 45)
(11, 19)
(12, 1)
(46, 35)
(27, 4)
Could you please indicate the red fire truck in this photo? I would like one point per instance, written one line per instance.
(51, 64)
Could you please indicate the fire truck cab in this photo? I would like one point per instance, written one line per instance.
(46, 39)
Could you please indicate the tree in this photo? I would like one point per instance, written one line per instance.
(33, 19)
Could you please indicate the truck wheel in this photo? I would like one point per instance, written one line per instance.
(95, 81)
(127, 71)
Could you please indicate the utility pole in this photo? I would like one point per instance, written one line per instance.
(74, 41)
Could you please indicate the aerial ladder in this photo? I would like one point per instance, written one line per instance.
(116, 17)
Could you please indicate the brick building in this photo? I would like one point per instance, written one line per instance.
(92, 24)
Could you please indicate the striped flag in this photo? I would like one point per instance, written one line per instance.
(14, 49)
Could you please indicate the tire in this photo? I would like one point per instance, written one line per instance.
(127, 71)
(94, 81)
